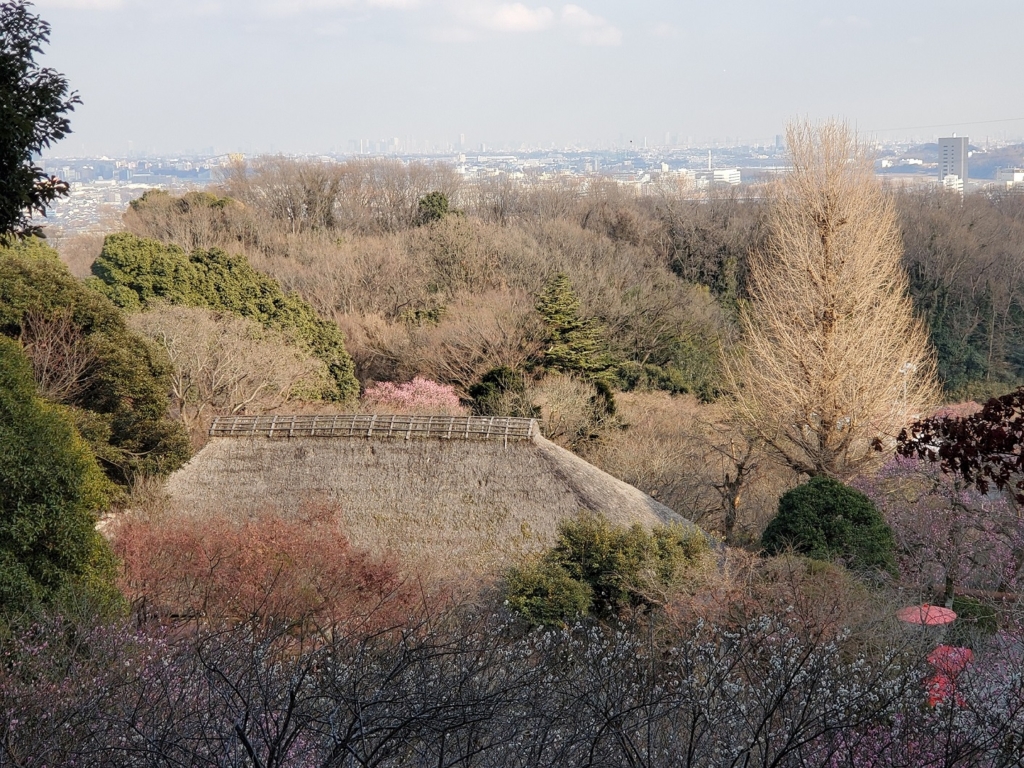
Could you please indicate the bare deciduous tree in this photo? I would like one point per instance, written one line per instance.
(226, 364)
(60, 354)
(834, 358)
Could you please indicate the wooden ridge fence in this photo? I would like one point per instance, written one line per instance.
(372, 425)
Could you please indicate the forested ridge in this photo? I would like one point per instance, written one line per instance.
(663, 274)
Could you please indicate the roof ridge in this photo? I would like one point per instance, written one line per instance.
(364, 425)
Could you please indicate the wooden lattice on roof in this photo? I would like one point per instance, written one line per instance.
(375, 425)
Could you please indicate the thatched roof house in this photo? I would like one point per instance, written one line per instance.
(466, 490)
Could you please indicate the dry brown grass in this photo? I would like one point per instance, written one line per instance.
(821, 599)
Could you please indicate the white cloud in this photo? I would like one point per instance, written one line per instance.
(82, 5)
(591, 29)
(665, 30)
(501, 17)
(297, 7)
(516, 17)
(441, 20)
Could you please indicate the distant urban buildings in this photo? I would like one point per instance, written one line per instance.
(102, 187)
(1011, 177)
(715, 176)
(953, 154)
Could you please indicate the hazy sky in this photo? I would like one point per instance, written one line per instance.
(311, 75)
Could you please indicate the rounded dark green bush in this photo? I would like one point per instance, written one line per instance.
(827, 520)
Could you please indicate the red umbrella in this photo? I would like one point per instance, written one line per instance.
(950, 659)
(928, 615)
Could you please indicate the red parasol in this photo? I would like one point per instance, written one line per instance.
(928, 615)
(950, 659)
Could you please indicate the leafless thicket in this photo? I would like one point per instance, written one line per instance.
(61, 355)
(79, 251)
(359, 196)
(834, 358)
(224, 364)
(692, 458)
(468, 688)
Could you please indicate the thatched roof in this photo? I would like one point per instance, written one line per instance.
(468, 491)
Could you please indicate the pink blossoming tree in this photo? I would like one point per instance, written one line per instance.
(416, 396)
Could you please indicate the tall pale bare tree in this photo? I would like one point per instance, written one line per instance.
(834, 359)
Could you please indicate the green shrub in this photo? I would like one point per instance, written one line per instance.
(132, 271)
(51, 489)
(826, 520)
(502, 392)
(545, 594)
(692, 369)
(616, 567)
(432, 207)
(121, 405)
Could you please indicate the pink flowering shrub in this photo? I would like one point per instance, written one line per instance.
(947, 533)
(416, 396)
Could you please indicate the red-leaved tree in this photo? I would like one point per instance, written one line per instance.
(983, 448)
(300, 572)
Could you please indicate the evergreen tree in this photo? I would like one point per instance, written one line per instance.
(34, 102)
(433, 206)
(573, 342)
(51, 489)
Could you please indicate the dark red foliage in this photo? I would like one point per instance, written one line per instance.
(984, 448)
(300, 572)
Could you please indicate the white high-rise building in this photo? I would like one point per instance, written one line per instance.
(953, 162)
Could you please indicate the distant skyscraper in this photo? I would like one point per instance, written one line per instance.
(953, 162)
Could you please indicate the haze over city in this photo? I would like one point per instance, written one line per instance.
(315, 76)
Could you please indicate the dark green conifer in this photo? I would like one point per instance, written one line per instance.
(573, 342)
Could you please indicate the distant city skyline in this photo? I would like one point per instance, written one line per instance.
(314, 76)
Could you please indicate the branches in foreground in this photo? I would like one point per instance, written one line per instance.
(461, 687)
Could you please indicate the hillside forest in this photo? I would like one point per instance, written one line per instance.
(819, 382)
(606, 314)
(620, 323)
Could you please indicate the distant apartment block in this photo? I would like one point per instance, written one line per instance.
(1011, 177)
(717, 176)
(953, 163)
